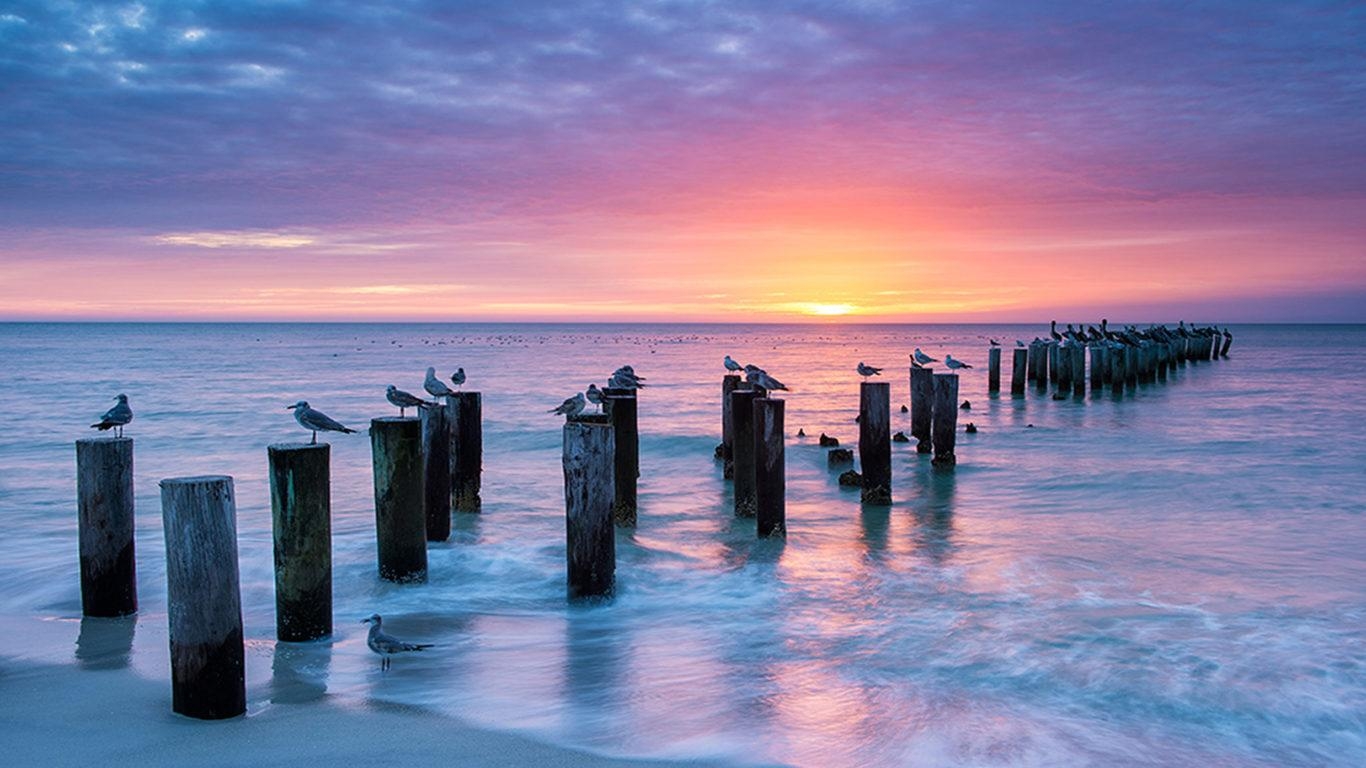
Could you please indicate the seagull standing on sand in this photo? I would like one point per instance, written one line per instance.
(316, 421)
(594, 396)
(922, 358)
(867, 370)
(765, 382)
(458, 378)
(404, 400)
(385, 645)
(434, 386)
(954, 364)
(571, 407)
(731, 365)
(115, 417)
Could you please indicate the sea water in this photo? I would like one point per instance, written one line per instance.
(1172, 576)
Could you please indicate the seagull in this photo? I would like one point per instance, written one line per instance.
(434, 386)
(994, 342)
(764, 381)
(731, 365)
(1019, 343)
(458, 377)
(922, 358)
(404, 400)
(954, 364)
(752, 368)
(385, 645)
(115, 417)
(867, 370)
(629, 371)
(571, 407)
(595, 396)
(625, 378)
(315, 421)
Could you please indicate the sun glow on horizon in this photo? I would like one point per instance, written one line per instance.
(827, 310)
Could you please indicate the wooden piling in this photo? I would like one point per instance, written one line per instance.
(729, 383)
(1053, 354)
(742, 431)
(465, 419)
(588, 459)
(1035, 350)
(400, 521)
(875, 441)
(1228, 342)
(1078, 365)
(301, 518)
(104, 511)
(994, 369)
(770, 480)
(621, 407)
(436, 472)
(1019, 370)
(1116, 356)
(203, 598)
(1131, 367)
(1062, 358)
(922, 407)
(945, 418)
(1098, 364)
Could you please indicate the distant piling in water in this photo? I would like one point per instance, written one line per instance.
(588, 459)
(1078, 365)
(465, 420)
(1019, 370)
(922, 407)
(770, 468)
(400, 520)
(436, 472)
(1062, 356)
(301, 524)
(203, 597)
(945, 418)
(994, 370)
(104, 508)
(1098, 363)
(742, 431)
(875, 441)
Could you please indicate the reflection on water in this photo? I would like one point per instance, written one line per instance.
(106, 643)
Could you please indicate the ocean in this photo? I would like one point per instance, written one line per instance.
(1174, 576)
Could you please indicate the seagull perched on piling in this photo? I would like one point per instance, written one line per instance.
(954, 364)
(731, 365)
(385, 645)
(922, 358)
(571, 407)
(625, 378)
(434, 386)
(994, 342)
(867, 370)
(316, 421)
(765, 382)
(115, 418)
(594, 396)
(404, 400)
(458, 378)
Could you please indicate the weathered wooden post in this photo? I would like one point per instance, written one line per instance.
(742, 430)
(1062, 357)
(400, 522)
(591, 544)
(1053, 353)
(729, 383)
(922, 407)
(1041, 363)
(875, 441)
(1116, 356)
(1098, 364)
(465, 419)
(104, 510)
(203, 600)
(1131, 367)
(994, 369)
(1228, 342)
(1019, 370)
(301, 517)
(770, 466)
(1078, 374)
(945, 418)
(621, 406)
(436, 472)
(1035, 349)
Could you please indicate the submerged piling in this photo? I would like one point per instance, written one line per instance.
(945, 418)
(875, 441)
(1019, 370)
(104, 509)
(301, 523)
(400, 521)
(770, 480)
(436, 472)
(742, 430)
(922, 407)
(588, 458)
(465, 419)
(621, 406)
(994, 369)
(203, 598)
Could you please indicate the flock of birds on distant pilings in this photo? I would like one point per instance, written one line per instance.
(1130, 336)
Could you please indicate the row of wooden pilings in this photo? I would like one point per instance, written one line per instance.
(1119, 367)
(423, 469)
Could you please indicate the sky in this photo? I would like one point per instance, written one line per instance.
(756, 161)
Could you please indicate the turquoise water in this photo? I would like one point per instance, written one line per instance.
(1173, 576)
